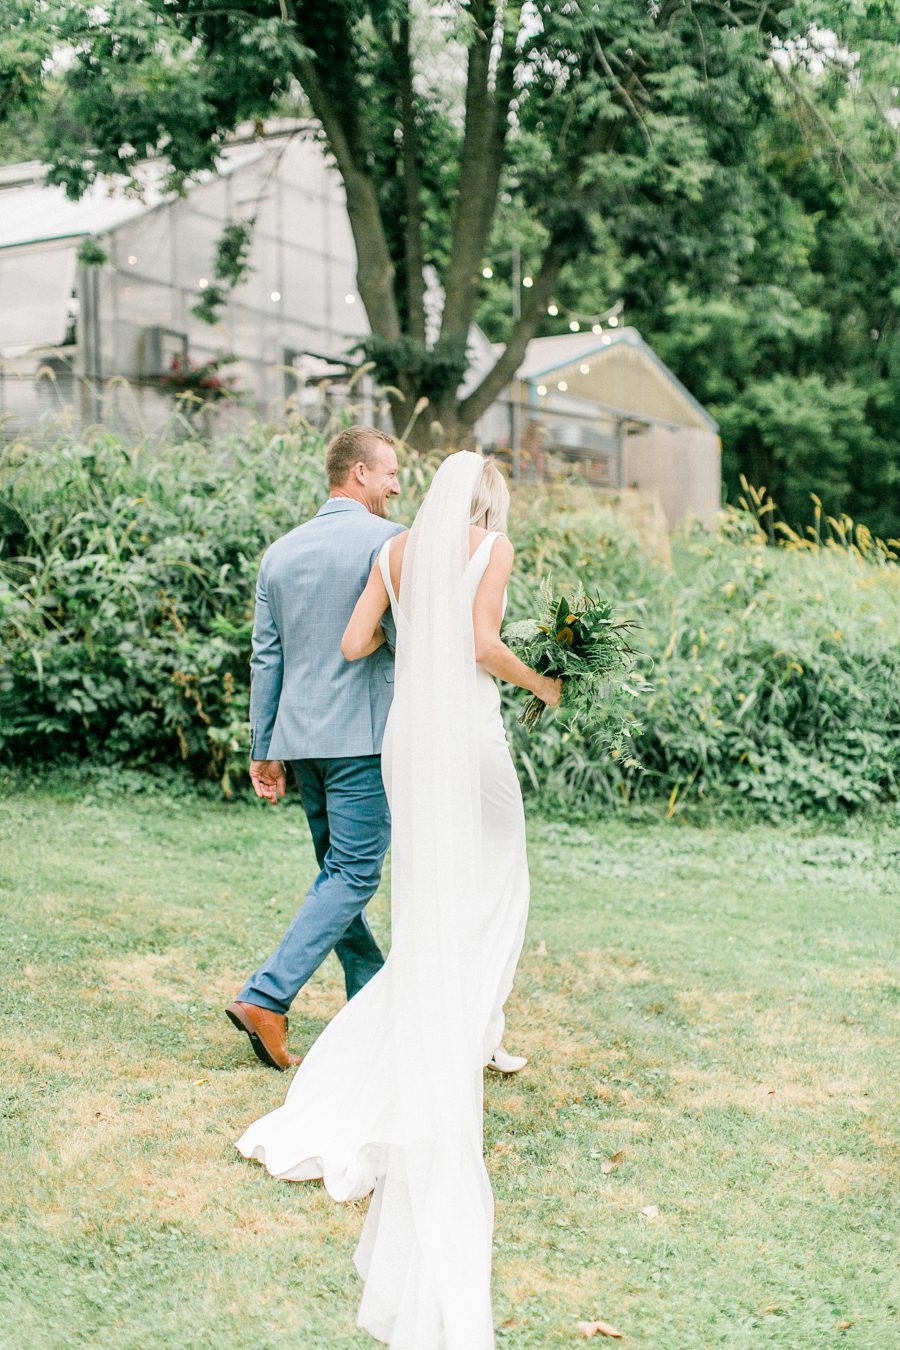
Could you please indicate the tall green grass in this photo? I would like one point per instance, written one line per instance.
(126, 584)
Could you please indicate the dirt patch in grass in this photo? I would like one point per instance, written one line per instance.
(703, 1088)
(844, 1176)
(163, 976)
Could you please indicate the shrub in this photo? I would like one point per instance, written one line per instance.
(126, 585)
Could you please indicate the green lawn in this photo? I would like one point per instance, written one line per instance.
(715, 1002)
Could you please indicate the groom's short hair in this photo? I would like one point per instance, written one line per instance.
(354, 445)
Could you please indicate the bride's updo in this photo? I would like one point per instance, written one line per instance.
(490, 502)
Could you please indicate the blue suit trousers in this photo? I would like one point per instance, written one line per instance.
(350, 823)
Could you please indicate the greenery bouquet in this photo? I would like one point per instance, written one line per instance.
(582, 643)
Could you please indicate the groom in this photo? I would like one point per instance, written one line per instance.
(323, 717)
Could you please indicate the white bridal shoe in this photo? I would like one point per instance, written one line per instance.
(501, 1062)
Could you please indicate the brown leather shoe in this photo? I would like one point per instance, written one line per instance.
(267, 1031)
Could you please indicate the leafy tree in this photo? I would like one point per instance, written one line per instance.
(618, 123)
(797, 349)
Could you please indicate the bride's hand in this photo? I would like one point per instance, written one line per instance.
(550, 691)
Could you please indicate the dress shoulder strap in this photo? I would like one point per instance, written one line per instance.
(484, 548)
(478, 563)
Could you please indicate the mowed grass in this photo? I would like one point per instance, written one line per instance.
(716, 1003)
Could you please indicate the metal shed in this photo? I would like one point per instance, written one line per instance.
(605, 404)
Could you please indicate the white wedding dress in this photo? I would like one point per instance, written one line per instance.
(390, 1097)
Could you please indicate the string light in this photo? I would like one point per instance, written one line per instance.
(562, 386)
(202, 283)
(132, 260)
(542, 389)
(350, 298)
(576, 320)
(585, 369)
(275, 297)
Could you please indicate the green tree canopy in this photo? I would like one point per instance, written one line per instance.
(648, 149)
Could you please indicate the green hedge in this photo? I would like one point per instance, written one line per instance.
(126, 584)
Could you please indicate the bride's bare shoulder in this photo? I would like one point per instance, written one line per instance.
(476, 534)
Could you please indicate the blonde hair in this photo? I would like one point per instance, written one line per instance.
(490, 501)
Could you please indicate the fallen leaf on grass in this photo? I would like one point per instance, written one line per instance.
(650, 1211)
(196, 1082)
(589, 1329)
(843, 1326)
(510, 1322)
(612, 1162)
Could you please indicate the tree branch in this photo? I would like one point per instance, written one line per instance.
(375, 268)
(412, 186)
(624, 91)
(841, 152)
(481, 164)
(506, 365)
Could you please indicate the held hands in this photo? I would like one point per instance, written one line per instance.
(550, 691)
(268, 778)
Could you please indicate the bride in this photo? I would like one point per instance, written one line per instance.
(390, 1097)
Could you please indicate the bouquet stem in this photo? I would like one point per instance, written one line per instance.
(532, 712)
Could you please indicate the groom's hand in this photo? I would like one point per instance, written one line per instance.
(268, 779)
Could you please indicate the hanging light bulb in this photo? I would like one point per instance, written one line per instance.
(562, 386)
(574, 325)
(528, 281)
(597, 328)
(613, 320)
(542, 389)
(552, 309)
(487, 273)
(585, 369)
(275, 297)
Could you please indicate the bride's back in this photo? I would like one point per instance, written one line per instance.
(477, 536)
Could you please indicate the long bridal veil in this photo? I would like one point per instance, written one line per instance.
(425, 1251)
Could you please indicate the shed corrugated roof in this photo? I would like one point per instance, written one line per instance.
(545, 355)
(552, 353)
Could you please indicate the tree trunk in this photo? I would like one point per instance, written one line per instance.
(481, 164)
(412, 186)
(375, 267)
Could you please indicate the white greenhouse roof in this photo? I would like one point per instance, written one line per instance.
(32, 211)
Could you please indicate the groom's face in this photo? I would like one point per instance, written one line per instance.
(380, 482)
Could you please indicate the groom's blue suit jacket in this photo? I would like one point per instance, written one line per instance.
(306, 701)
